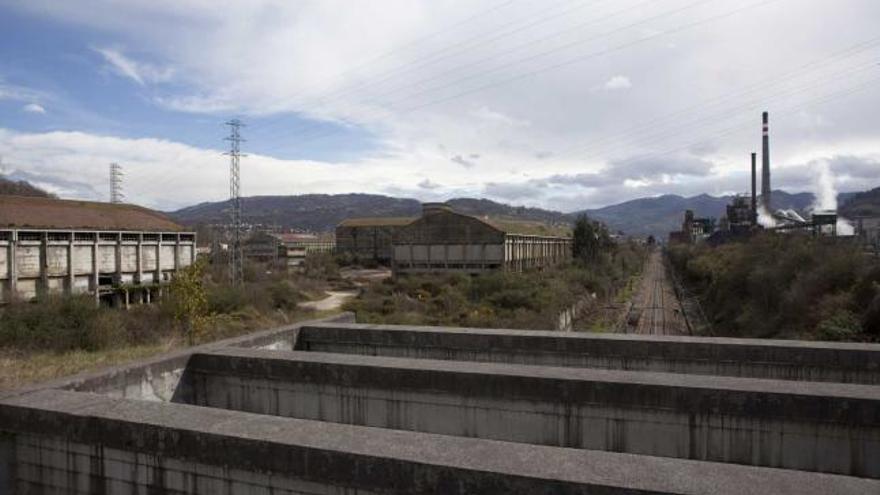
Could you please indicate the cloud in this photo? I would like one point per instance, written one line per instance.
(15, 92)
(463, 161)
(360, 65)
(427, 184)
(139, 72)
(33, 108)
(617, 83)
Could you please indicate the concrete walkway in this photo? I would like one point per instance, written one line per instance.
(334, 300)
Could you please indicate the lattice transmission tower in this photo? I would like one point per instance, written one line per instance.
(116, 195)
(236, 261)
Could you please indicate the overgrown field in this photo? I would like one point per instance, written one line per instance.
(61, 335)
(787, 286)
(529, 300)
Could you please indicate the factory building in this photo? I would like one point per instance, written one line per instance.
(867, 229)
(117, 252)
(369, 239)
(443, 240)
(289, 249)
(693, 229)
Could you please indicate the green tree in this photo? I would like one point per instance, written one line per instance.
(590, 239)
(190, 300)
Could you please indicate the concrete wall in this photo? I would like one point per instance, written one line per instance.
(54, 261)
(777, 359)
(366, 242)
(68, 442)
(132, 429)
(811, 426)
(443, 240)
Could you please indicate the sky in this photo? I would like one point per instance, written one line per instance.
(560, 104)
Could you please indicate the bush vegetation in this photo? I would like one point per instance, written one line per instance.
(532, 299)
(202, 307)
(785, 286)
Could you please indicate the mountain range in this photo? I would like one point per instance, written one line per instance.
(322, 212)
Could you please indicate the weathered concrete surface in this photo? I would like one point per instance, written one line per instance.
(129, 439)
(68, 441)
(798, 425)
(776, 359)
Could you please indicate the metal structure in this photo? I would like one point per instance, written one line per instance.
(116, 194)
(765, 169)
(754, 204)
(236, 258)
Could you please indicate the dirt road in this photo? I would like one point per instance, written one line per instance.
(655, 309)
(334, 300)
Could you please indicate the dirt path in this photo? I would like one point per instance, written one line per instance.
(655, 309)
(334, 300)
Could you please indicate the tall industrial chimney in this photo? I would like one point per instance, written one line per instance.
(754, 210)
(765, 169)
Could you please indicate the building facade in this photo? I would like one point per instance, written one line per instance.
(369, 239)
(293, 248)
(442, 240)
(121, 253)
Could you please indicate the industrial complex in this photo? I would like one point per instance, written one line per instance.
(117, 252)
(744, 216)
(443, 240)
(288, 249)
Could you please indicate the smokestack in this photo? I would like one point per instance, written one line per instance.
(754, 210)
(765, 168)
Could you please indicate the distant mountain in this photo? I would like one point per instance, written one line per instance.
(21, 188)
(862, 204)
(663, 214)
(322, 212)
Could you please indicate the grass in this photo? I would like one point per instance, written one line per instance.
(19, 368)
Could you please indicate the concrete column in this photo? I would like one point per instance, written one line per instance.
(43, 289)
(94, 283)
(71, 274)
(139, 256)
(177, 253)
(118, 255)
(13, 265)
(158, 275)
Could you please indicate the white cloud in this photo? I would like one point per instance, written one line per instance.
(617, 83)
(140, 72)
(33, 108)
(410, 72)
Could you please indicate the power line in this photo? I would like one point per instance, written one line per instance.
(576, 59)
(372, 61)
(116, 195)
(236, 255)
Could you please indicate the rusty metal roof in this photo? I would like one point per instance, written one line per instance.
(376, 221)
(49, 213)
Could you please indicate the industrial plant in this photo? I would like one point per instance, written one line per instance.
(119, 253)
(443, 240)
(746, 216)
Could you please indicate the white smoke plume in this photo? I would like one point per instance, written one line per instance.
(765, 219)
(825, 191)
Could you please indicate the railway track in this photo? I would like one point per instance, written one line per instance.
(655, 310)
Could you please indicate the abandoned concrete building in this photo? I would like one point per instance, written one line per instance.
(444, 240)
(119, 252)
(288, 249)
(368, 239)
(338, 408)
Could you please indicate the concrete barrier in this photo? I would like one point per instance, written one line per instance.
(73, 442)
(776, 359)
(134, 428)
(820, 427)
